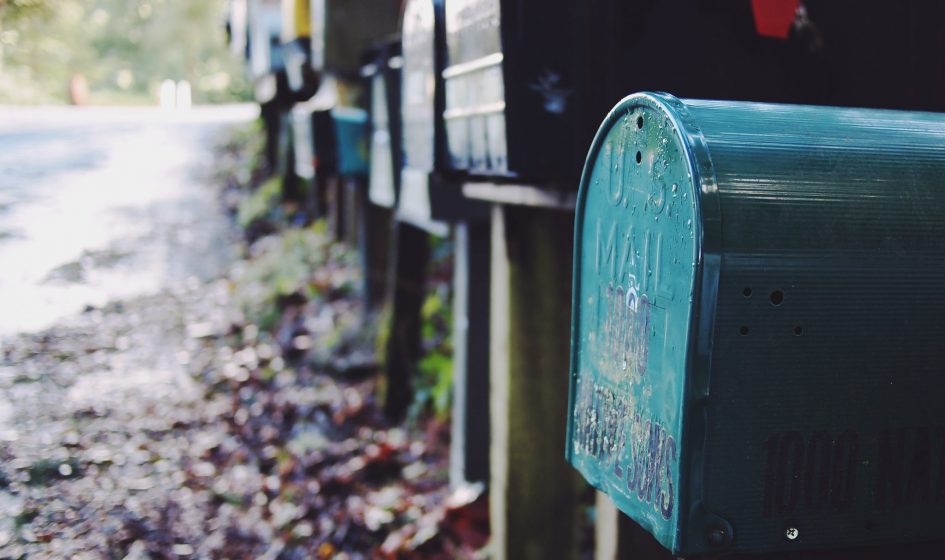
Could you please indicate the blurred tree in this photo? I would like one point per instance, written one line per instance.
(123, 48)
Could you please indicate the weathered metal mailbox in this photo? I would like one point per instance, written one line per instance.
(421, 115)
(756, 342)
(383, 77)
(509, 92)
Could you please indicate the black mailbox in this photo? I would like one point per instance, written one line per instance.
(342, 29)
(509, 88)
(527, 81)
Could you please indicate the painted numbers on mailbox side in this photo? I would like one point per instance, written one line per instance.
(895, 468)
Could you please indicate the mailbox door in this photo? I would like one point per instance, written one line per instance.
(637, 260)
(381, 190)
(422, 113)
(351, 130)
(420, 77)
(475, 87)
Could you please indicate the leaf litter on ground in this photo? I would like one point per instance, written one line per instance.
(236, 418)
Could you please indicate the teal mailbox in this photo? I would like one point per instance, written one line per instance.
(758, 321)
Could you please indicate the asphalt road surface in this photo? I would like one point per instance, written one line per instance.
(99, 204)
(111, 238)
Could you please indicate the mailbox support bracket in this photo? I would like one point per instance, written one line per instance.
(521, 195)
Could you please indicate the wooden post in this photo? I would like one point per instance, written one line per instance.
(286, 165)
(411, 256)
(534, 493)
(618, 538)
(374, 247)
(269, 113)
(335, 207)
(469, 449)
(353, 200)
(318, 195)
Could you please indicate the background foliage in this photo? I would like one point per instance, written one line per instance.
(123, 48)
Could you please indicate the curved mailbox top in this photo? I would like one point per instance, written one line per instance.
(424, 198)
(757, 293)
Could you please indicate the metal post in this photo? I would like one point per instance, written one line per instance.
(354, 200)
(374, 225)
(469, 450)
(411, 255)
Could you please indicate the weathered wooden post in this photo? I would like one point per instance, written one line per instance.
(374, 223)
(534, 496)
(407, 284)
(383, 83)
(420, 111)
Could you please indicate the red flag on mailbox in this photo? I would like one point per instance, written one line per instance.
(773, 18)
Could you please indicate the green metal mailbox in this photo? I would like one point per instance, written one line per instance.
(757, 359)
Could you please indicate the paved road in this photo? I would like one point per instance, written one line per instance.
(98, 204)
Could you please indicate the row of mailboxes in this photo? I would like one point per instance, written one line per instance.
(329, 138)
(290, 45)
(327, 37)
(515, 88)
(406, 93)
(527, 80)
(522, 83)
(756, 354)
(428, 195)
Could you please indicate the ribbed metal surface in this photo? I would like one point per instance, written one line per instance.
(842, 212)
(816, 411)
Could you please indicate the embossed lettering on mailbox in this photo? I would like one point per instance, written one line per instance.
(635, 264)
